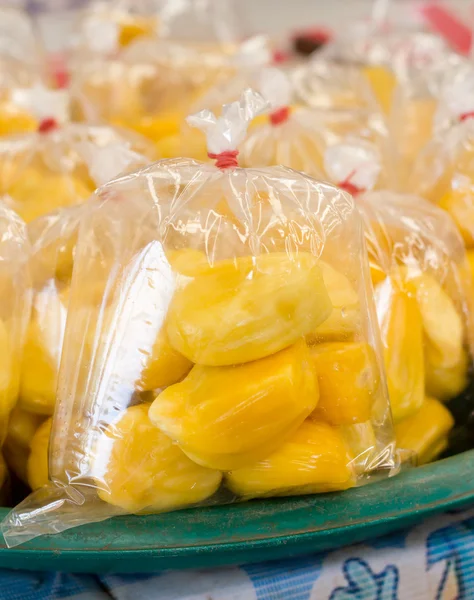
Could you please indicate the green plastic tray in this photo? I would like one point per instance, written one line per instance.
(255, 531)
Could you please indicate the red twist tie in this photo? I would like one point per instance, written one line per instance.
(350, 187)
(226, 159)
(47, 125)
(465, 116)
(280, 57)
(279, 116)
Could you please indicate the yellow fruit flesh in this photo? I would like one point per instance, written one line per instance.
(134, 27)
(22, 427)
(459, 203)
(442, 325)
(147, 472)
(164, 367)
(13, 120)
(227, 417)
(383, 84)
(37, 191)
(37, 467)
(9, 374)
(348, 379)
(402, 336)
(344, 319)
(314, 460)
(425, 432)
(42, 351)
(447, 382)
(248, 308)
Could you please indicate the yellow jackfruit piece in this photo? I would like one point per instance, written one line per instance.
(132, 27)
(426, 431)
(247, 308)
(447, 382)
(38, 191)
(402, 336)
(159, 127)
(348, 379)
(344, 319)
(37, 467)
(383, 83)
(227, 417)
(22, 427)
(442, 325)
(13, 120)
(459, 203)
(314, 460)
(147, 473)
(42, 351)
(164, 367)
(9, 373)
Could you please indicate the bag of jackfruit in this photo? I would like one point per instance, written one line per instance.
(60, 164)
(21, 65)
(227, 350)
(296, 135)
(443, 171)
(15, 301)
(148, 80)
(405, 69)
(424, 299)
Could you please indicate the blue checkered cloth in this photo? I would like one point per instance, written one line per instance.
(433, 561)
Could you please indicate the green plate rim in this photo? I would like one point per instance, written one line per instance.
(252, 531)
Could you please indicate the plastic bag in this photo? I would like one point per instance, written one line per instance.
(443, 170)
(61, 164)
(405, 69)
(15, 301)
(235, 298)
(149, 86)
(423, 293)
(107, 27)
(22, 428)
(53, 238)
(297, 136)
(21, 65)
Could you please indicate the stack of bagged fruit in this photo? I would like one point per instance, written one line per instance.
(225, 324)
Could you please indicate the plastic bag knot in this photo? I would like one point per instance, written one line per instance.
(47, 125)
(350, 187)
(226, 159)
(279, 116)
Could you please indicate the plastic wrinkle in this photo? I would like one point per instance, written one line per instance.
(226, 159)
(280, 116)
(47, 125)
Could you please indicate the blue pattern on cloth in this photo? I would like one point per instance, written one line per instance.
(432, 561)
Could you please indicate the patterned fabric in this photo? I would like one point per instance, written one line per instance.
(433, 561)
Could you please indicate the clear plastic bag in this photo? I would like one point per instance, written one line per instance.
(204, 365)
(21, 65)
(15, 302)
(107, 27)
(149, 86)
(424, 299)
(443, 170)
(298, 136)
(61, 164)
(406, 69)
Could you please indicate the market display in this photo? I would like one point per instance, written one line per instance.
(280, 305)
(241, 334)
